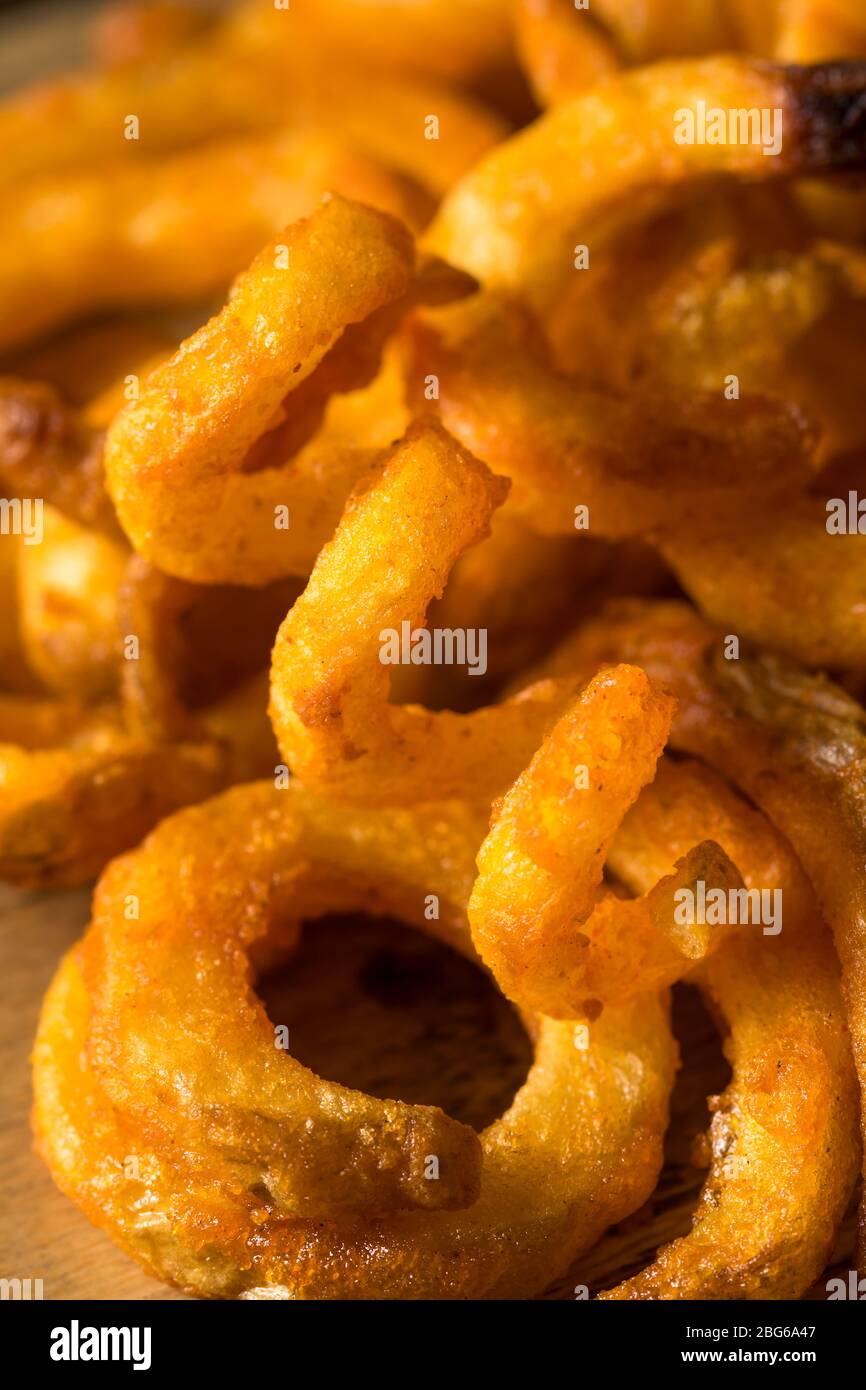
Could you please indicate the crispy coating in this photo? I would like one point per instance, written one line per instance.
(314, 1148)
(783, 1137)
(514, 219)
(793, 742)
(175, 458)
(579, 1147)
(535, 915)
(400, 534)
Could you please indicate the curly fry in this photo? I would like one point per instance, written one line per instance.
(426, 36)
(175, 458)
(793, 742)
(224, 87)
(786, 1125)
(164, 232)
(514, 219)
(400, 534)
(578, 1148)
(562, 50)
(777, 576)
(534, 912)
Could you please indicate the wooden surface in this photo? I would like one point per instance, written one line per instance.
(372, 1005)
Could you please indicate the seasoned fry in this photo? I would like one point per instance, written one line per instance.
(537, 918)
(513, 220)
(793, 742)
(163, 232)
(391, 555)
(578, 1148)
(485, 522)
(784, 1136)
(200, 415)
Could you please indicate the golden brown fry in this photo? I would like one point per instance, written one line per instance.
(164, 232)
(424, 36)
(793, 742)
(513, 221)
(784, 1134)
(77, 788)
(175, 458)
(535, 912)
(399, 537)
(310, 1147)
(578, 1148)
(566, 50)
(493, 586)
(223, 87)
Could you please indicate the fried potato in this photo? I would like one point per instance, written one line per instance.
(514, 219)
(223, 88)
(424, 36)
(175, 458)
(537, 919)
(793, 742)
(163, 232)
(578, 1148)
(777, 576)
(562, 50)
(784, 1135)
(399, 537)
